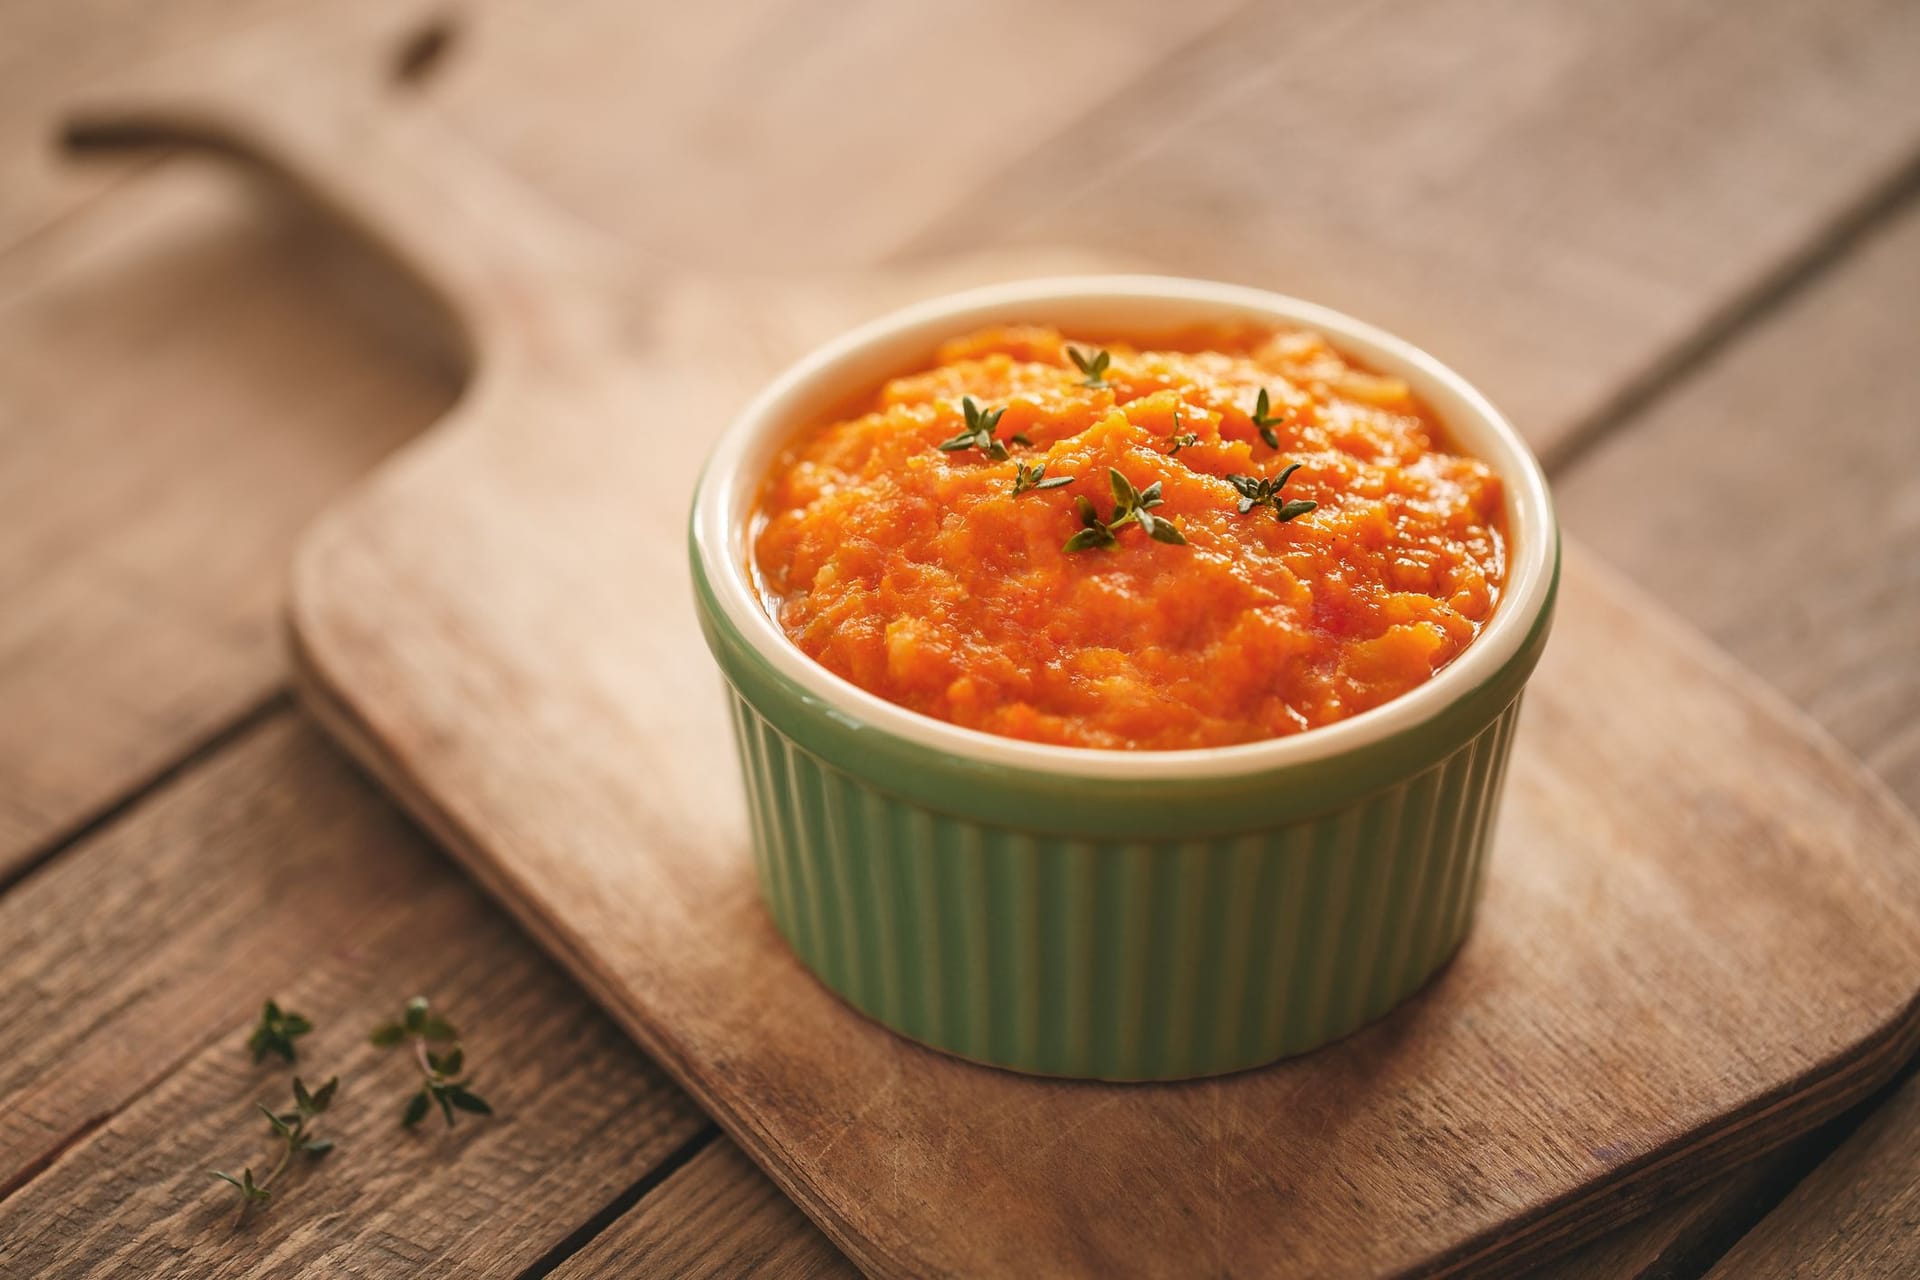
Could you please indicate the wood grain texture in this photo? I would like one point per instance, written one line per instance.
(52, 46)
(1682, 1236)
(1548, 197)
(55, 49)
(762, 136)
(1856, 1215)
(717, 1217)
(1774, 500)
(275, 871)
(1718, 553)
(258, 366)
(256, 362)
(728, 1219)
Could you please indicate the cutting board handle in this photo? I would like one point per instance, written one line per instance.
(517, 277)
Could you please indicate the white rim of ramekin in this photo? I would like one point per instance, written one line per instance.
(866, 356)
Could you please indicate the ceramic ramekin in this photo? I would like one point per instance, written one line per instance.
(1125, 915)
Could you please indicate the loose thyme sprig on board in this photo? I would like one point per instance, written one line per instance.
(981, 424)
(1131, 506)
(1255, 492)
(440, 1071)
(1094, 366)
(295, 1130)
(276, 1032)
(1267, 421)
(1033, 478)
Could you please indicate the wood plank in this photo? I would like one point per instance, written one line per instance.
(1675, 1238)
(1550, 198)
(731, 1220)
(139, 961)
(1857, 1215)
(725, 1218)
(1682, 1236)
(1837, 355)
(716, 1217)
(1774, 501)
(55, 49)
(758, 137)
(728, 1219)
(52, 46)
(188, 373)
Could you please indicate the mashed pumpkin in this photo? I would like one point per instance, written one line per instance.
(919, 574)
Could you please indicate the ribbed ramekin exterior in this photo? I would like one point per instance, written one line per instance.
(1151, 960)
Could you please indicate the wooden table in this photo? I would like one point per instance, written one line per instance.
(1683, 250)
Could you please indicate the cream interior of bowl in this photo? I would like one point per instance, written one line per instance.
(1138, 307)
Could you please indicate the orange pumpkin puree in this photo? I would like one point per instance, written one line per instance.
(920, 576)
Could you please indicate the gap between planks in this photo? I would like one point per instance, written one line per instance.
(620, 1205)
(222, 736)
(1877, 208)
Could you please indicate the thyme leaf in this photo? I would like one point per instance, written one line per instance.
(1094, 366)
(294, 1129)
(1033, 478)
(1179, 439)
(1255, 492)
(1130, 506)
(442, 1082)
(979, 433)
(276, 1032)
(1266, 420)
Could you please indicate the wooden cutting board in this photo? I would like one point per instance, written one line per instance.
(1701, 933)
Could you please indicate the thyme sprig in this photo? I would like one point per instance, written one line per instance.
(295, 1130)
(1131, 506)
(442, 1082)
(1179, 439)
(1033, 478)
(981, 424)
(1093, 532)
(1266, 420)
(275, 1033)
(1094, 366)
(1255, 492)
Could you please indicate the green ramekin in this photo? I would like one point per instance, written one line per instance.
(1123, 915)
